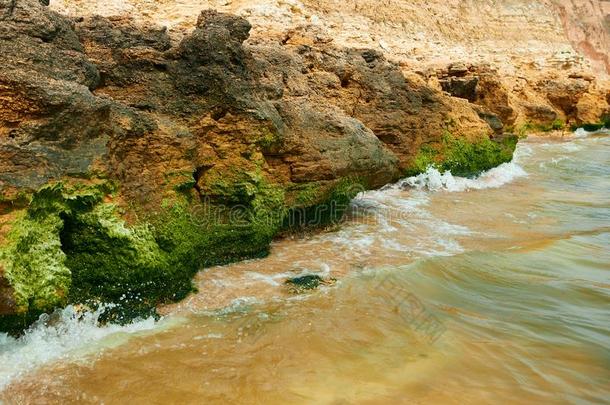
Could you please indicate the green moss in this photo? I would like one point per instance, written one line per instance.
(8, 203)
(319, 205)
(591, 127)
(34, 263)
(71, 246)
(32, 258)
(267, 139)
(530, 127)
(186, 185)
(309, 194)
(111, 262)
(208, 233)
(229, 186)
(521, 131)
(557, 125)
(463, 158)
(426, 157)
(182, 181)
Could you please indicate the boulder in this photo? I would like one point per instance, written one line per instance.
(564, 94)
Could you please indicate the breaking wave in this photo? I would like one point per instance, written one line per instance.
(434, 180)
(390, 220)
(583, 133)
(66, 333)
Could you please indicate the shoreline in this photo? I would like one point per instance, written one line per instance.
(479, 236)
(132, 159)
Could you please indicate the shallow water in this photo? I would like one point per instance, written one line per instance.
(449, 290)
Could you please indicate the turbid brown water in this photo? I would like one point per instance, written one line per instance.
(449, 290)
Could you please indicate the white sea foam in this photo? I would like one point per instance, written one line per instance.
(553, 162)
(434, 180)
(398, 222)
(237, 305)
(571, 147)
(66, 334)
(582, 133)
(389, 216)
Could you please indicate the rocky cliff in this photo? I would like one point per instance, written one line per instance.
(132, 155)
(521, 52)
(130, 160)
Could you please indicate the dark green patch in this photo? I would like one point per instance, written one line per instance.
(307, 282)
(32, 258)
(16, 324)
(321, 205)
(592, 127)
(70, 244)
(463, 158)
(205, 234)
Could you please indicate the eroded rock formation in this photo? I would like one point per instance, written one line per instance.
(539, 102)
(512, 45)
(130, 159)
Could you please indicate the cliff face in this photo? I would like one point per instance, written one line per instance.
(587, 26)
(524, 45)
(425, 32)
(130, 158)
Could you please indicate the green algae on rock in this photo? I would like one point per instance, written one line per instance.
(34, 263)
(32, 257)
(596, 126)
(71, 244)
(464, 158)
(203, 151)
(319, 204)
(306, 282)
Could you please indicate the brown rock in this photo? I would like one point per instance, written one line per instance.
(494, 96)
(326, 112)
(562, 36)
(564, 94)
(462, 87)
(590, 109)
(540, 114)
(457, 70)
